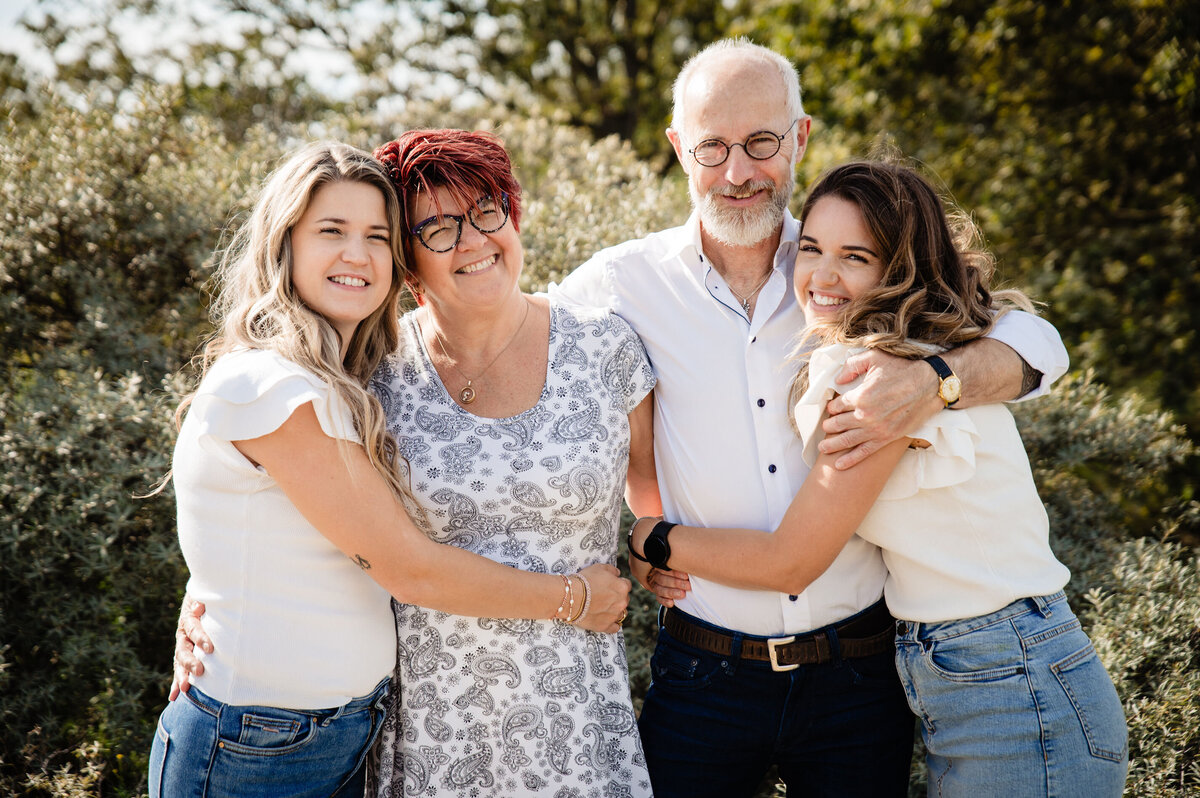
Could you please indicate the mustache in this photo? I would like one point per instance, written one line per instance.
(750, 186)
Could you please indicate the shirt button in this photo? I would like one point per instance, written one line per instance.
(755, 338)
(772, 468)
(762, 402)
(793, 597)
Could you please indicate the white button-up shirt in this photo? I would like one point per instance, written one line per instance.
(725, 451)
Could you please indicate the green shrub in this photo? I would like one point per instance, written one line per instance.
(110, 222)
(1144, 617)
(89, 575)
(1103, 466)
(110, 217)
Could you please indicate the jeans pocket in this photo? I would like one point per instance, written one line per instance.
(1095, 701)
(158, 759)
(676, 669)
(989, 654)
(267, 731)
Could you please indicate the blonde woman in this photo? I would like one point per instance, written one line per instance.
(291, 509)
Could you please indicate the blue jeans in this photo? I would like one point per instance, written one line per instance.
(713, 725)
(1015, 702)
(205, 749)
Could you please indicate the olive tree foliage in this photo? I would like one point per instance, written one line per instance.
(110, 222)
(602, 65)
(1068, 128)
(112, 218)
(109, 219)
(236, 64)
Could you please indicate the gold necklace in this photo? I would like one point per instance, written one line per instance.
(745, 302)
(468, 394)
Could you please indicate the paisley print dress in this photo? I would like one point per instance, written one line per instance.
(490, 707)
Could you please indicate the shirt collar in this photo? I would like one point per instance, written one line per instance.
(688, 247)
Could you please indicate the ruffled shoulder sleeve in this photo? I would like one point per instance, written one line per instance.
(948, 460)
(952, 434)
(824, 365)
(250, 393)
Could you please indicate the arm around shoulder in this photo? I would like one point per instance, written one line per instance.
(1038, 345)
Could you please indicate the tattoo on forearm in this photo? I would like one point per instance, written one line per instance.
(1030, 378)
(362, 561)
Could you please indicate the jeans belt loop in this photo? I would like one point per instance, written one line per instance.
(735, 651)
(772, 651)
(1042, 606)
(835, 645)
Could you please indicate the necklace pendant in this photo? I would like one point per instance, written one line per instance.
(746, 304)
(467, 394)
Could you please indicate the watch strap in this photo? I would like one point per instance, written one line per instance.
(943, 370)
(659, 534)
(629, 537)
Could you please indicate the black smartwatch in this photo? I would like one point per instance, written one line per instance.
(656, 548)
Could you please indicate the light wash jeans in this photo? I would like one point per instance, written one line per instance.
(1014, 703)
(206, 749)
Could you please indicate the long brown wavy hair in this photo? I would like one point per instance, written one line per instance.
(934, 293)
(258, 307)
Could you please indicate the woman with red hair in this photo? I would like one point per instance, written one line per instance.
(520, 420)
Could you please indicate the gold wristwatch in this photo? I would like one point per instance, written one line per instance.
(950, 386)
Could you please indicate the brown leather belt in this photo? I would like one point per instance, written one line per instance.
(872, 632)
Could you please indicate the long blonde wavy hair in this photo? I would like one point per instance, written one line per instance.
(258, 307)
(934, 292)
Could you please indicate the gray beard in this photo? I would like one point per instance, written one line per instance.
(742, 227)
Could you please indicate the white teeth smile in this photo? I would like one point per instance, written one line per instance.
(480, 266)
(818, 299)
(342, 279)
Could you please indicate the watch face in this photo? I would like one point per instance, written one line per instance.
(951, 389)
(657, 550)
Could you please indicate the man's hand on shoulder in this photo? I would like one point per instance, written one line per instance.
(895, 397)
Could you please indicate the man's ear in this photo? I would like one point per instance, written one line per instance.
(803, 128)
(677, 144)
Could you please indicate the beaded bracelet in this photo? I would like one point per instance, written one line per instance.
(571, 604)
(567, 593)
(587, 599)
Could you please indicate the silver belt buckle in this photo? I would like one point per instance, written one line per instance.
(780, 641)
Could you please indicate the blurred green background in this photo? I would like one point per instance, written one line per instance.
(133, 131)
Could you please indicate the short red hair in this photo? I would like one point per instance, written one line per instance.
(467, 163)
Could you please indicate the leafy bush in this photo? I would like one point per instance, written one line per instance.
(1144, 617)
(111, 219)
(1104, 467)
(89, 577)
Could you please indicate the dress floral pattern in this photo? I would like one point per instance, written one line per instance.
(492, 707)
